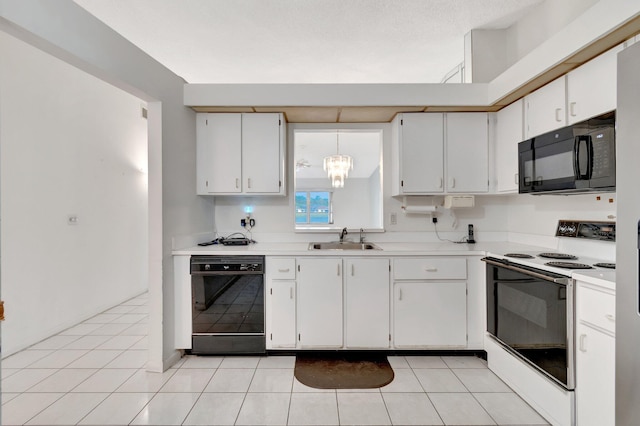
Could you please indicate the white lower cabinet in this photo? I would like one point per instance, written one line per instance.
(319, 304)
(367, 303)
(280, 302)
(595, 355)
(429, 314)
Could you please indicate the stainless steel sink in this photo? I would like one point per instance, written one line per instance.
(346, 245)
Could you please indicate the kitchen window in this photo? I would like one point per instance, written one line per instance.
(314, 207)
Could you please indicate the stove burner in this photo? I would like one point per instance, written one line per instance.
(558, 256)
(569, 265)
(605, 265)
(519, 255)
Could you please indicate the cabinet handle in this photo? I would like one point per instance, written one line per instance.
(452, 182)
(399, 294)
(237, 183)
(248, 182)
(352, 270)
(610, 317)
(283, 270)
(290, 292)
(572, 109)
(516, 180)
(431, 269)
(338, 269)
(440, 183)
(558, 119)
(581, 346)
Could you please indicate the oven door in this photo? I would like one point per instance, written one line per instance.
(530, 312)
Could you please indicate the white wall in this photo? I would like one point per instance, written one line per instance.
(65, 30)
(71, 144)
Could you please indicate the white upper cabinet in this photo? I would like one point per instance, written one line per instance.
(240, 153)
(467, 145)
(591, 88)
(508, 133)
(418, 152)
(545, 109)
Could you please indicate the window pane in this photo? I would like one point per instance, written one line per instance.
(319, 207)
(301, 207)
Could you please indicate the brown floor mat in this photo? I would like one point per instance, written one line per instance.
(343, 371)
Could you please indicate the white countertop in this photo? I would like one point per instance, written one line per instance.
(603, 278)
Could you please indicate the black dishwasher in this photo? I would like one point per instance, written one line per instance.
(228, 305)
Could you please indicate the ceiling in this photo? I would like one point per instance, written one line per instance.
(305, 41)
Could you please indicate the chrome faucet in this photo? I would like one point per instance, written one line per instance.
(342, 234)
(361, 236)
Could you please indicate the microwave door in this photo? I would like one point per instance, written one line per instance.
(554, 163)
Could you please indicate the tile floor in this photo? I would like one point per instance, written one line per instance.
(93, 374)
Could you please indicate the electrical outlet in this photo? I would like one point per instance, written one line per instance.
(393, 220)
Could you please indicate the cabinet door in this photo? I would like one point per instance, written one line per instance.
(429, 314)
(595, 377)
(509, 131)
(545, 109)
(320, 302)
(262, 154)
(367, 303)
(421, 153)
(591, 88)
(281, 328)
(467, 142)
(219, 152)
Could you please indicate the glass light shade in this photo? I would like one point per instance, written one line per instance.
(337, 167)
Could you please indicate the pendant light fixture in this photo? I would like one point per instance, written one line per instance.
(337, 166)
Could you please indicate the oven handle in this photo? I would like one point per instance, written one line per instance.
(210, 273)
(561, 281)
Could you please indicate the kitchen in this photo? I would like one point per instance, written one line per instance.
(489, 221)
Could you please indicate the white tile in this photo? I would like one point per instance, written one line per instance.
(120, 342)
(301, 387)
(110, 329)
(188, 380)
(464, 362)
(460, 409)
(63, 381)
(105, 380)
(59, 359)
(24, 358)
(69, 409)
(178, 363)
(54, 342)
(230, 380)
(439, 380)
(24, 379)
(129, 359)
(398, 362)
(481, 380)
(425, 362)
(95, 359)
(143, 344)
(362, 409)
(6, 397)
(102, 319)
(117, 409)
(313, 409)
(142, 309)
(143, 381)
(240, 362)
(509, 409)
(87, 342)
(6, 372)
(120, 309)
(192, 361)
(404, 380)
(411, 409)
(215, 409)
(129, 319)
(136, 330)
(264, 409)
(368, 390)
(277, 362)
(166, 409)
(272, 380)
(80, 330)
(23, 407)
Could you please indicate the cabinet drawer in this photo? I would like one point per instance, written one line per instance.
(597, 308)
(430, 268)
(281, 268)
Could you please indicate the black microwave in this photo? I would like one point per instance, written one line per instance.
(573, 159)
